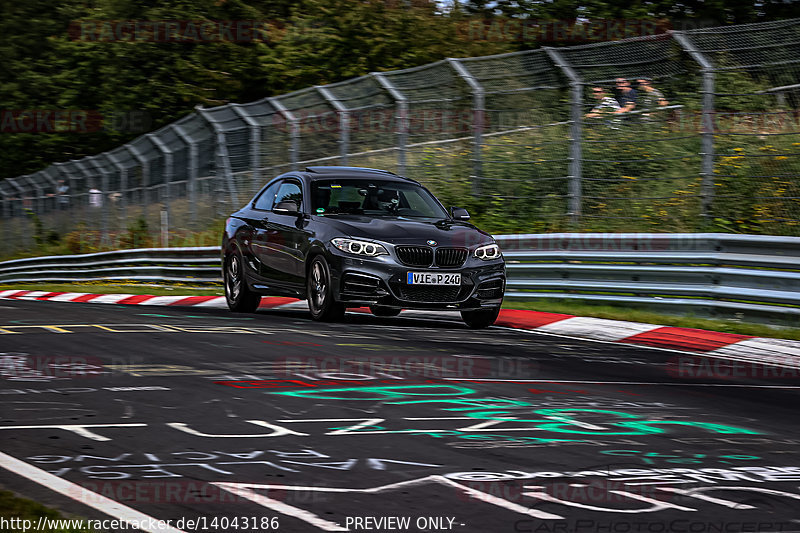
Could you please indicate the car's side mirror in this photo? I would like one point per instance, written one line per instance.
(286, 208)
(459, 213)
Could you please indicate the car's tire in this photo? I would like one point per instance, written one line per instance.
(381, 310)
(238, 295)
(480, 318)
(319, 290)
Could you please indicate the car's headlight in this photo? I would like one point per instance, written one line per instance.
(488, 252)
(353, 246)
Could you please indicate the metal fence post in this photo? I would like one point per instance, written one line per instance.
(402, 120)
(123, 186)
(68, 220)
(344, 122)
(707, 173)
(37, 206)
(145, 164)
(576, 134)
(255, 145)
(294, 124)
(21, 192)
(169, 173)
(478, 122)
(223, 162)
(104, 186)
(5, 215)
(191, 185)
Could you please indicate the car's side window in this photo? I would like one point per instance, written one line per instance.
(290, 191)
(264, 201)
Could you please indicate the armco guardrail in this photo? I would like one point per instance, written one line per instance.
(187, 265)
(701, 273)
(698, 273)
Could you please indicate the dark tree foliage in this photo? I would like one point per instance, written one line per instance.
(47, 65)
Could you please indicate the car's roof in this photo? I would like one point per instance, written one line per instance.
(327, 172)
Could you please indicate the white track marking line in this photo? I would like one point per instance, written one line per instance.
(81, 494)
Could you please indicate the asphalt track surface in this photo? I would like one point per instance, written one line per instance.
(271, 422)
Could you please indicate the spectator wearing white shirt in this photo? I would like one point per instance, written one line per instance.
(605, 104)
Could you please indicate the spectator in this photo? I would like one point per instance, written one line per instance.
(627, 97)
(605, 104)
(650, 96)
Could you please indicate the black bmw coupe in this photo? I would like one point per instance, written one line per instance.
(350, 237)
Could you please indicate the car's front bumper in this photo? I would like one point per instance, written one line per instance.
(382, 281)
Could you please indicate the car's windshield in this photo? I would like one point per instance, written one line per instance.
(373, 198)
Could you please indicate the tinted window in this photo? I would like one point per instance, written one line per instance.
(289, 191)
(374, 198)
(265, 200)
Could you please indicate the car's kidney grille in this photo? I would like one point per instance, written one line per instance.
(429, 293)
(451, 257)
(416, 256)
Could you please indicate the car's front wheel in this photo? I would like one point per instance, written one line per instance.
(238, 295)
(480, 318)
(319, 289)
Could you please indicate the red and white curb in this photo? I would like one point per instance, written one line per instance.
(746, 348)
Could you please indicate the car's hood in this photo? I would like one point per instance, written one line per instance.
(409, 231)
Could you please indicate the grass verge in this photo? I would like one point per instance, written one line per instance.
(546, 306)
(19, 510)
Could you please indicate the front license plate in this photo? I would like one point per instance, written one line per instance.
(433, 278)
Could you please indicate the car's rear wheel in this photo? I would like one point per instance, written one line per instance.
(238, 295)
(480, 318)
(381, 310)
(321, 302)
